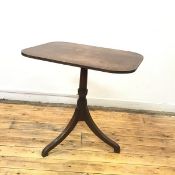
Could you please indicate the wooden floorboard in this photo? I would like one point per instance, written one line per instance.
(147, 142)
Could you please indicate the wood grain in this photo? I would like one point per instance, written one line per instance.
(147, 142)
(90, 57)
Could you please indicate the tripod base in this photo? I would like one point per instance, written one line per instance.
(81, 114)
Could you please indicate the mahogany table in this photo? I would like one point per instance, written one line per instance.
(86, 57)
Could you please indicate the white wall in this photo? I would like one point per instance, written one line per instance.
(146, 27)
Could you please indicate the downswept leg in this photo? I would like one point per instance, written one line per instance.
(72, 123)
(91, 124)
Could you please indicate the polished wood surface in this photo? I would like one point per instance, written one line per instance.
(90, 57)
(24, 129)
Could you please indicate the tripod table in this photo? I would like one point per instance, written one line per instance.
(86, 57)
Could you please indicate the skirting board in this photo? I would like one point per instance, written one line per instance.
(71, 99)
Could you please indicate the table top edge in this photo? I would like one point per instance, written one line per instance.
(76, 65)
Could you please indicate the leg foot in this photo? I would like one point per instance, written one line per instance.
(117, 149)
(62, 136)
(44, 153)
(91, 124)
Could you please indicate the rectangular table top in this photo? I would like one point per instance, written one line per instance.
(84, 56)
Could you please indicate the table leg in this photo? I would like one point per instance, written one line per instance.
(72, 123)
(81, 114)
(91, 124)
